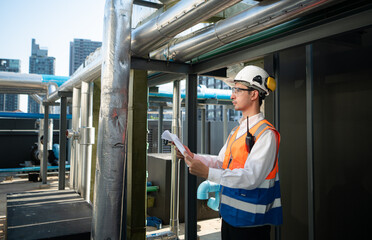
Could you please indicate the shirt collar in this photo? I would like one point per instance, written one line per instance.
(253, 120)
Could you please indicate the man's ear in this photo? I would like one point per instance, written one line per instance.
(254, 95)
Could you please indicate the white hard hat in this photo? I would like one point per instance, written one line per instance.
(256, 78)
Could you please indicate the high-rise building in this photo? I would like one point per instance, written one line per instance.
(79, 50)
(40, 63)
(9, 102)
(10, 65)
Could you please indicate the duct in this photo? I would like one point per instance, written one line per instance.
(183, 15)
(89, 73)
(176, 126)
(20, 83)
(264, 15)
(111, 141)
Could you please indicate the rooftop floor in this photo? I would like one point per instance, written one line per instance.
(37, 211)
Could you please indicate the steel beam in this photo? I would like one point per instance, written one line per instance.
(277, 116)
(310, 139)
(191, 142)
(161, 66)
(136, 157)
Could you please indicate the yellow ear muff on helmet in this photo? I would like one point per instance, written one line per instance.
(270, 84)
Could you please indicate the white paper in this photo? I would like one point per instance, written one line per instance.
(173, 137)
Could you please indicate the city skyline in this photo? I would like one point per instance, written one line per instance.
(53, 24)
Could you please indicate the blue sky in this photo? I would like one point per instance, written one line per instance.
(53, 23)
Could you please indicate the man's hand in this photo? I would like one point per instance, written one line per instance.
(179, 154)
(196, 167)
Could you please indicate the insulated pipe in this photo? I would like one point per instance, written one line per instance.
(175, 175)
(178, 18)
(86, 138)
(161, 29)
(89, 73)
(75, 144)
(37, 98)
(264, 15)
(111, 142)
(22, 83)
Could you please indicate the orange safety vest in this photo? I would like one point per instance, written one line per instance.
(236, 153)
(254, 207)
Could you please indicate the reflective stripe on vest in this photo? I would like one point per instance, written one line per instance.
(241, 207)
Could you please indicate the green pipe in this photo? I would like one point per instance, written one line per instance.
(284, 28)
(152, 188)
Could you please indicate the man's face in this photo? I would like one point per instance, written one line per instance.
(241, 99)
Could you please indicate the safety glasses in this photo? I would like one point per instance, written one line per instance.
(238, 90)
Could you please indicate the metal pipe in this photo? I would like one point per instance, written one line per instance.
(90, 72)
(44, 163)
(175, 174)
(113, 115)
(22, 83)
(75, 144)
(160, 129)
(62, 145)
(264, 15)
(178, 18)
(86, 136)
(202, 130)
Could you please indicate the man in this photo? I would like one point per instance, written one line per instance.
(247, 165)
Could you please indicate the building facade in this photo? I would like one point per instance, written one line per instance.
(40, 63)
(79, 50)
(9, 102)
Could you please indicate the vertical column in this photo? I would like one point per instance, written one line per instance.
(44, 165)
(176, 124)
(276, 115)
(136, 156)
(310, 138)
(160, 129)
(112, 127)
(191, 142)
(62, 144)
(225, 123)
(202, 130)
(75, 144)
(86, 137)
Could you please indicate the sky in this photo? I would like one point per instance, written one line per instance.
(53, 24)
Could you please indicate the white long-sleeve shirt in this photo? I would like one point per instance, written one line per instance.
(259, 163)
